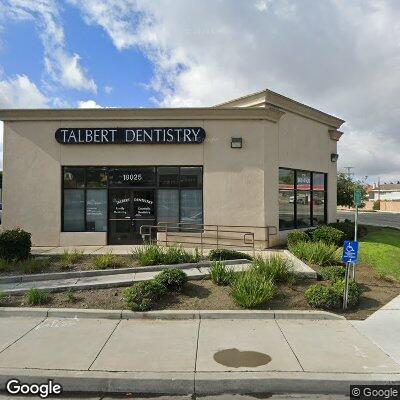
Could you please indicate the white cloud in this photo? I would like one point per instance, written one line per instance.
(108, 89)
(20, 92)
(336, 55)
(88, 104)
(62, 66)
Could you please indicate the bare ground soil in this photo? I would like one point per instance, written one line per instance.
(205, 295)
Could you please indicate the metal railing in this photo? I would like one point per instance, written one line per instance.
(208, 235)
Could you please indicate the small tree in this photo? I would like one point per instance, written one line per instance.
(345, 190)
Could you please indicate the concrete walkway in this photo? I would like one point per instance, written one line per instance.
(200, 355)
(99, 280)
(383, 328)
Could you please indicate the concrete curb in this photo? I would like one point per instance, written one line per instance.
(200, 383)
(102, 272)
(167, 314)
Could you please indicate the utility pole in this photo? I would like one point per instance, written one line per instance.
(379, 188)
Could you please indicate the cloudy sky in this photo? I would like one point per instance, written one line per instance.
(341, 56)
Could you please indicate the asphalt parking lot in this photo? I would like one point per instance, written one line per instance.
(373, 218)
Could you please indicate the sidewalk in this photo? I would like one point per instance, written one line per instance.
(383, 328)
(210, 353)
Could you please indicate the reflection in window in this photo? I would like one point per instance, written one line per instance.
(74, 177)
(96, 177)
(191, 206)
(301, 194)
(168, 205)
(96, 210)
(191, 177)
(168, 177)
(286, 209)
(303, 209)
(319, 208)
(74, 207)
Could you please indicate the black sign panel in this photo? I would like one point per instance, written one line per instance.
(130, 135)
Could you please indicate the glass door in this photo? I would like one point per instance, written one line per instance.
(143, 211)
(129, 209)
(120, 217)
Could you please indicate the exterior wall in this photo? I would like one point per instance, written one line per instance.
(233, 187)
(305, 144)
(240, 185)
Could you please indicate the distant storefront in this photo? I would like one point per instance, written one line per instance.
(95, 176)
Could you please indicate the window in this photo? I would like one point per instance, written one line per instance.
(96, 210)
(74, 210)
(191, 206)
(286, 199)
(302, 198)
(84, 209)
(168, 205)
(178, 190)
(319, 194)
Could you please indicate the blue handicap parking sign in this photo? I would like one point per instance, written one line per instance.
(350, 251)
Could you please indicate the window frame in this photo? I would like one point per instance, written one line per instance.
(295, 190)
(107, 187)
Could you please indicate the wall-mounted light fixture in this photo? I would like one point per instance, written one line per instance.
(236, 143)
(334, 157)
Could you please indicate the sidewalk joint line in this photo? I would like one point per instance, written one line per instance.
(102, 347)
(195, 358)
(18, 339)
(297, 358)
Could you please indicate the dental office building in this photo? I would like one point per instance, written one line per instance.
(94, 176)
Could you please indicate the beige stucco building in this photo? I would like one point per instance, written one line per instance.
(95, 176)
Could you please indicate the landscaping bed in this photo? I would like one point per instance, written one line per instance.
(206, 295)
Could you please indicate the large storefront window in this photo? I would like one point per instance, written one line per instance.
(302, 199)
(178, 194)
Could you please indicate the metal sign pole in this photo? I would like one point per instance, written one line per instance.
(346, 286)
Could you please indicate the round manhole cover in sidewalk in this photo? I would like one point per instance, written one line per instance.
(236, 358)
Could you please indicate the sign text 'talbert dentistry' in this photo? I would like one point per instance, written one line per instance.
(130, 135)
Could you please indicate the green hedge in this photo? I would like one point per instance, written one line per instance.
(15, 245)
(328, 234)
(173, 279)
(297, 237)
(330, 297)
(226, 254)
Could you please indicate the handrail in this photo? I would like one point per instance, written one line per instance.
(219, 234)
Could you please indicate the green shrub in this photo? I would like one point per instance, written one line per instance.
(252, 289)
(2, 297)
(142, 296)
(328, 234)
(275, 268)
(355, 291)
(107, 261)
(331, 297)
(70, 297)
(173, 279)
(297, 237)
(220, 274)
(333, 274)
(15, 244)
(36, 297)
(5, 266)
(317, 253)
(35, 265)
(68, 258)
(377, 205)
(325, 297)
(148, 255)
(155, 255)
(226, 254)
(178, 255)
(347, 227)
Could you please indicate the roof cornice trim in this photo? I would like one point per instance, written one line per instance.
(140, 114)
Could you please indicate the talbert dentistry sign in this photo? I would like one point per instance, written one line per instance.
(130, 135)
